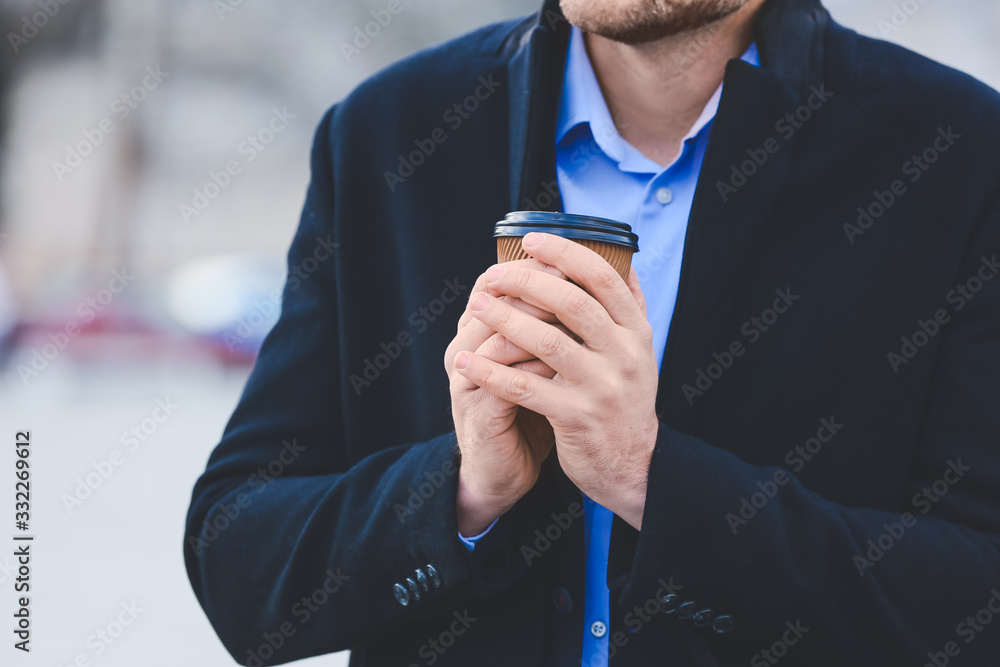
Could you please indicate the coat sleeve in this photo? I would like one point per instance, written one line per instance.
(872, 587)
(288, 541)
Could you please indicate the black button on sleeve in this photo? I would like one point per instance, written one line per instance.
(687, 609)
(669, 603)
(723, 624)
(414, 590)
(702, 618)
(402, 595)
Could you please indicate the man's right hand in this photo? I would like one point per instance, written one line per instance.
(503, 445)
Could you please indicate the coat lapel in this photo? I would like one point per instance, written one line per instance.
(725, 227)
(535, 72)
(730, 216)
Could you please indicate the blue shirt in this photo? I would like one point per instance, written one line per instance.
(599, 173)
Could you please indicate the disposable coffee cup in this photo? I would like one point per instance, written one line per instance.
(612, 240)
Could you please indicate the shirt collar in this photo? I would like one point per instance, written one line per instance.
(582, 103)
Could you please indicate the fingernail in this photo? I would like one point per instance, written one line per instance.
(462, 361)
(481, 302)
(494, 274)
(532, 239)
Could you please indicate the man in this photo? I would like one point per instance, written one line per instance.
(777, 441)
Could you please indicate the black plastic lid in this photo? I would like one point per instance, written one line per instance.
(567, 225)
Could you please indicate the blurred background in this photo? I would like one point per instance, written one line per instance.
(153, 162)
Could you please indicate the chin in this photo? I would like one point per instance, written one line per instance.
(641, 21)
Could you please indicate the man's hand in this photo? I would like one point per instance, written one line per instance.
(503, 445)
(601, 402)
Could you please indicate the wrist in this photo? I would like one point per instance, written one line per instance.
(628, 498)
(631, 505)
(476, 510)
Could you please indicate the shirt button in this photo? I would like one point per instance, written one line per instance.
(598, 629)
(664, 195)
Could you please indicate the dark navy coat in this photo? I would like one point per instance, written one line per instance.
(826, 478)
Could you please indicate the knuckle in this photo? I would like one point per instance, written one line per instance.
(499, 344)
(480, 286)
(645, 334)
(630, 368)
(511, 301)
(487, 376)
(561, 247)
(629, 357)
(577, 303)
(550, 343)
(605, 277)
(585, 328)
(503, 315)
(574, 420)
(534, 366)
(522, 278)
(612, 391)
(518, 387)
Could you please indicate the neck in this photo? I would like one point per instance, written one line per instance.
(656, 91)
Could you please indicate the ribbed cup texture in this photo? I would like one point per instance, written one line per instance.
(618, 256)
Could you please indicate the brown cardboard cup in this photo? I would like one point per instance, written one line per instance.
(612, 240)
